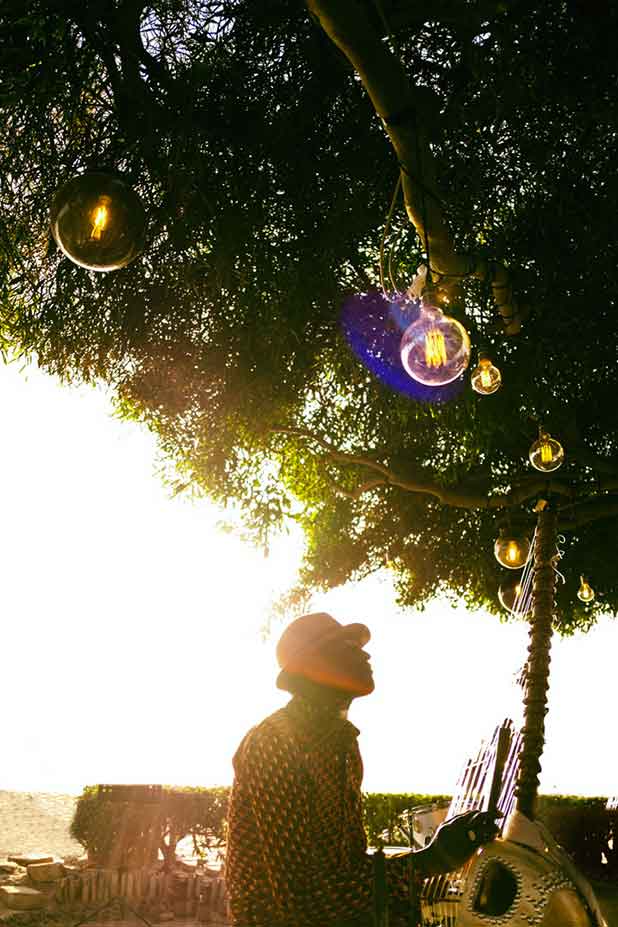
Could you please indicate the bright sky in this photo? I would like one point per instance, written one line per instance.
(130, 644)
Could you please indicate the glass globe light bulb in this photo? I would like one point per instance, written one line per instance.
(486, 378)
(98, 221)
(546, 454)
(511, 551)
(510, 597)
(585, 593)
(435, 349)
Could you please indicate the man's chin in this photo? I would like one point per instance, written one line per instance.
(365, 688)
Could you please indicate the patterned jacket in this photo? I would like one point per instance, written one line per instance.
(296, 853)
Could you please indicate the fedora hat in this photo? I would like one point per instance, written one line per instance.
(310, 632)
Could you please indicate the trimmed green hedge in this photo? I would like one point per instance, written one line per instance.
(135, 834)
(382, 812)
(582, 825)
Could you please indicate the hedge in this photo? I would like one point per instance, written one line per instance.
(383, 810)
(583, 826)
(136, 834)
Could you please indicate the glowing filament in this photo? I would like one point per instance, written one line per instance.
(100, 219)
(486, 379)
(512, 552)
(435, 348)
(546, 452)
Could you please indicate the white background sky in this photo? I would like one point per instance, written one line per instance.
(130, 644)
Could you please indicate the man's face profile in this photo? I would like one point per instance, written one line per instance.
(340, 664)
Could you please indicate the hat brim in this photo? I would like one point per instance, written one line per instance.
(359, 633)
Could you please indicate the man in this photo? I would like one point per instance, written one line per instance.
(296, 852)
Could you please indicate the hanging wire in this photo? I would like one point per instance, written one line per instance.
(523, 599)
(385, 232)
(423, 197)
(485, 314)
(391, 273)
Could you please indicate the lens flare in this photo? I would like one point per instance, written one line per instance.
(372, 325)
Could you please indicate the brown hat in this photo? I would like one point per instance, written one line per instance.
(309, 632)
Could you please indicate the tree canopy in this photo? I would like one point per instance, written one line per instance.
(265, 141)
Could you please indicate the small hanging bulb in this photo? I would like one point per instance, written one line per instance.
(546, 454)
(486, 378)
(98, 221)
(511, 551)
(435, 349)
(585, 593)
(511, 598)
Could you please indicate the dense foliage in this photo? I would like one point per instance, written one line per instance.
(267, 177)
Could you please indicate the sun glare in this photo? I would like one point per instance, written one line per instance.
(132, 631)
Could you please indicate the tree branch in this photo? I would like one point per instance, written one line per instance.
(129, 38)
(358, 491)
(408, 113)
(460, 496)
(87, 20)
(592, 460)
(588, 512)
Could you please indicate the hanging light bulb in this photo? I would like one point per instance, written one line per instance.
(510, 595)
(511, 550)
(585, 593)
(485, 378)
(98, 221)
(435, 349)
(546, 454)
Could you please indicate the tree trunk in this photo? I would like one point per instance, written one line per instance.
(410, 115)
(535, 700)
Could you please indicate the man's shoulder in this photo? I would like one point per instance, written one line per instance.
(276, 723)
(272, 730)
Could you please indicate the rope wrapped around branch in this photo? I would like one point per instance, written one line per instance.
(535, 700)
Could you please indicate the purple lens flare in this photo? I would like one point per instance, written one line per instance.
(373, 326)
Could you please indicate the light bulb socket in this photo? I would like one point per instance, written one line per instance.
(430, 302)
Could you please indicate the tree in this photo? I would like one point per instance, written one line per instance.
(267, 176)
